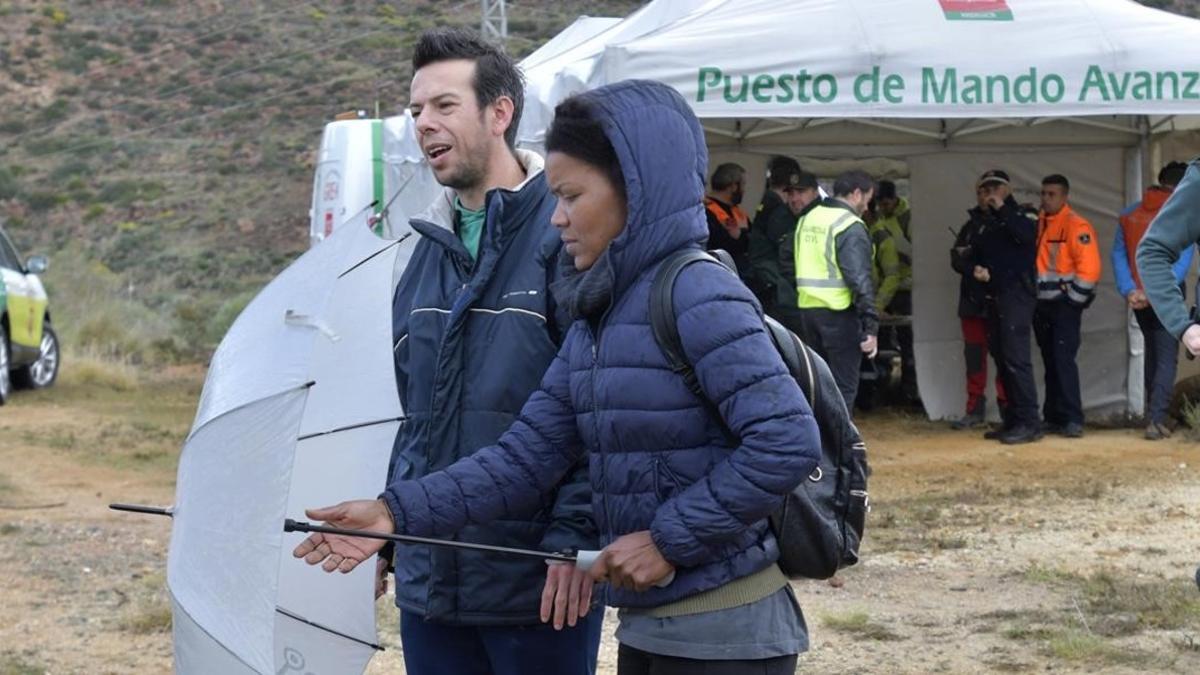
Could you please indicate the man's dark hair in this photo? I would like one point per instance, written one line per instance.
(727, 175)
(886, 190)
(780, 169)
(496, 74)
(1057, 179)
(1172, 174)
(852, 180)
(576, 132)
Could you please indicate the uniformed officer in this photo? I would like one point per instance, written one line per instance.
(972, 312)
(891, 235)
(773, 220)
(834, 292)
(1068, 264)
(1004, 260)
(801, 195)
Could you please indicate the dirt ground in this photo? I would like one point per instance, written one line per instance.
(1066, 556)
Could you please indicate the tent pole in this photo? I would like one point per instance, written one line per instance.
(1169, 119)
(1135, 168)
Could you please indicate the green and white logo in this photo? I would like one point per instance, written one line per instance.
(976, 10)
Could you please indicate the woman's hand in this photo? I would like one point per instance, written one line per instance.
(340, 552)
(632, 561)
(567, 594)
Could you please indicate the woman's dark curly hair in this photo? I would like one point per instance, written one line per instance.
(576, 132)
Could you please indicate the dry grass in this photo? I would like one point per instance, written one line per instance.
(91, 370)
(151, 610)
(1191, 417)
(859, 624)
(7, 487)
(1078, 646)
(148, 618)
(15, 664)
(1157, 604)
(1104, 611)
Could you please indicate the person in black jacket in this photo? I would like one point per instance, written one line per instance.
(773, 221)
(1004, 261)
(972, 311)
(474, 330)
(801, 195)
(728, 224)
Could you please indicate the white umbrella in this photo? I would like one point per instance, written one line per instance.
(299, 409)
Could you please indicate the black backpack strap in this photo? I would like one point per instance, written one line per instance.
(796, 356)
(663, 323)
(666, 329)
(724, 258)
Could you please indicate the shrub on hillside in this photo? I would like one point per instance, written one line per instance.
(93, 312)
(44, 200)
(9, 187)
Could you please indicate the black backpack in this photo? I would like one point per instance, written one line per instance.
(820, 525)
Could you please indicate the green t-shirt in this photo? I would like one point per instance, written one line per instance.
(470, 227)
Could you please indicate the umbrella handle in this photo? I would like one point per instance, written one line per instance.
(585, 559)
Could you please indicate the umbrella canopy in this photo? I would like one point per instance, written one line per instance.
(299, 408)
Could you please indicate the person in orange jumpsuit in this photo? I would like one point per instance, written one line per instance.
(1068, 268)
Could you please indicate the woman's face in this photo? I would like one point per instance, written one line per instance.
(590, 211)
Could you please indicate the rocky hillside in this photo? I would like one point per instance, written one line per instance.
(1184, 7)
(161, 151)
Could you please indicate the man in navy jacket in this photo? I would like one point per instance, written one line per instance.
(474, 329)
(1005, 261)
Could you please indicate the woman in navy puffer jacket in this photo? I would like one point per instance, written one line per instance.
(670, 494)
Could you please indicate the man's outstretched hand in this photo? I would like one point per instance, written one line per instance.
(343, 553)
(567, 595)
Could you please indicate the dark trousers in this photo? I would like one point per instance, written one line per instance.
(975, 353)
(1010, 322)
(439, 649)
(1056, 325)
(1162, 354)
(632, 661)
(835, 336)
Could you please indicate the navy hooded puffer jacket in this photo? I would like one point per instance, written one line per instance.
(658, 462)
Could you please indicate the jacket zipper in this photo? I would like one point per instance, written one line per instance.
(596, 423)
(463, 272)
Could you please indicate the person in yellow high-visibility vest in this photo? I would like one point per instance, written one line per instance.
(891, 235)
(833, 261)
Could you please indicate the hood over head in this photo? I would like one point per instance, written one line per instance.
(660, 146)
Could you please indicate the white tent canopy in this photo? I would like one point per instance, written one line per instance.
(582, 29)
(920, 59)
(571, 70)
(943, 88)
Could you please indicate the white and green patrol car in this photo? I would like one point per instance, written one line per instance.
(29, 352)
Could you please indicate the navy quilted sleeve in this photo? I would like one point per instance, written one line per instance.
(508, 478)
